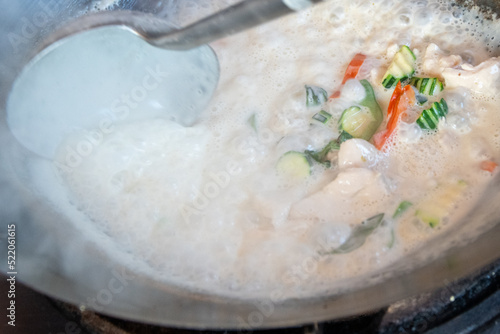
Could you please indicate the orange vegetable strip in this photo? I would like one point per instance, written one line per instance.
(489, 165)
(394, 101)
(351, 72)
(353, 68)
(401, 100)
(335, 95)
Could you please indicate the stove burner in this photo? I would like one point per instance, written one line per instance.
(475, 300)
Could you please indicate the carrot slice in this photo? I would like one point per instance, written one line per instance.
(353, 68)
(335, 95)
(394, 101)
(401, 100)
(351, 72)
(488, 165)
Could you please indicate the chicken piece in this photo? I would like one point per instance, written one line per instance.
(358, 153)
(347, 196)
(483, 78)
(435, 61)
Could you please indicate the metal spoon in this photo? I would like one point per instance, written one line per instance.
(63, 90)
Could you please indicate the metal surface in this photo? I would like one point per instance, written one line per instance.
(467, 306)
(236, 18)
(55, 257)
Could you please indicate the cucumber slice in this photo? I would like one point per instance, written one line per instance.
(427, 86)
(315, 96)
(401, 67)
(429, 218)
(294, 165)
(421, 99)
(362, 121)
(437, 206)
(429, 118)
(357, 121)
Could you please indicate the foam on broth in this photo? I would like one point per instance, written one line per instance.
(204, 208)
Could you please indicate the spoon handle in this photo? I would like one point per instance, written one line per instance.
(234, 19)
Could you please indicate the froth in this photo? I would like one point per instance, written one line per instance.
(204, 207)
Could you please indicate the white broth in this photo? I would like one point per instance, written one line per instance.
(205, 208)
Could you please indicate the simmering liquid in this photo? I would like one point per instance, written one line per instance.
(204, 207)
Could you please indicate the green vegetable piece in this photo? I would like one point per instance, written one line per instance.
(421, 99)
(427, 86)
(357, 122)
(343, 137)
(429, 118)
(427, 218)
(294, 165)
(334, 145)
(362, 122)
(401, 68)
(253, 122)
(358, 236)
(322, 156)
(403, 206)
(390, 244)
(321, 117)
(315, 96)
(435, 207)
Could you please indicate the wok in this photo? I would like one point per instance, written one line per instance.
(54, 256)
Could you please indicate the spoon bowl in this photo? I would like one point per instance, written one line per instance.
(123, 66)
(97, 78)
